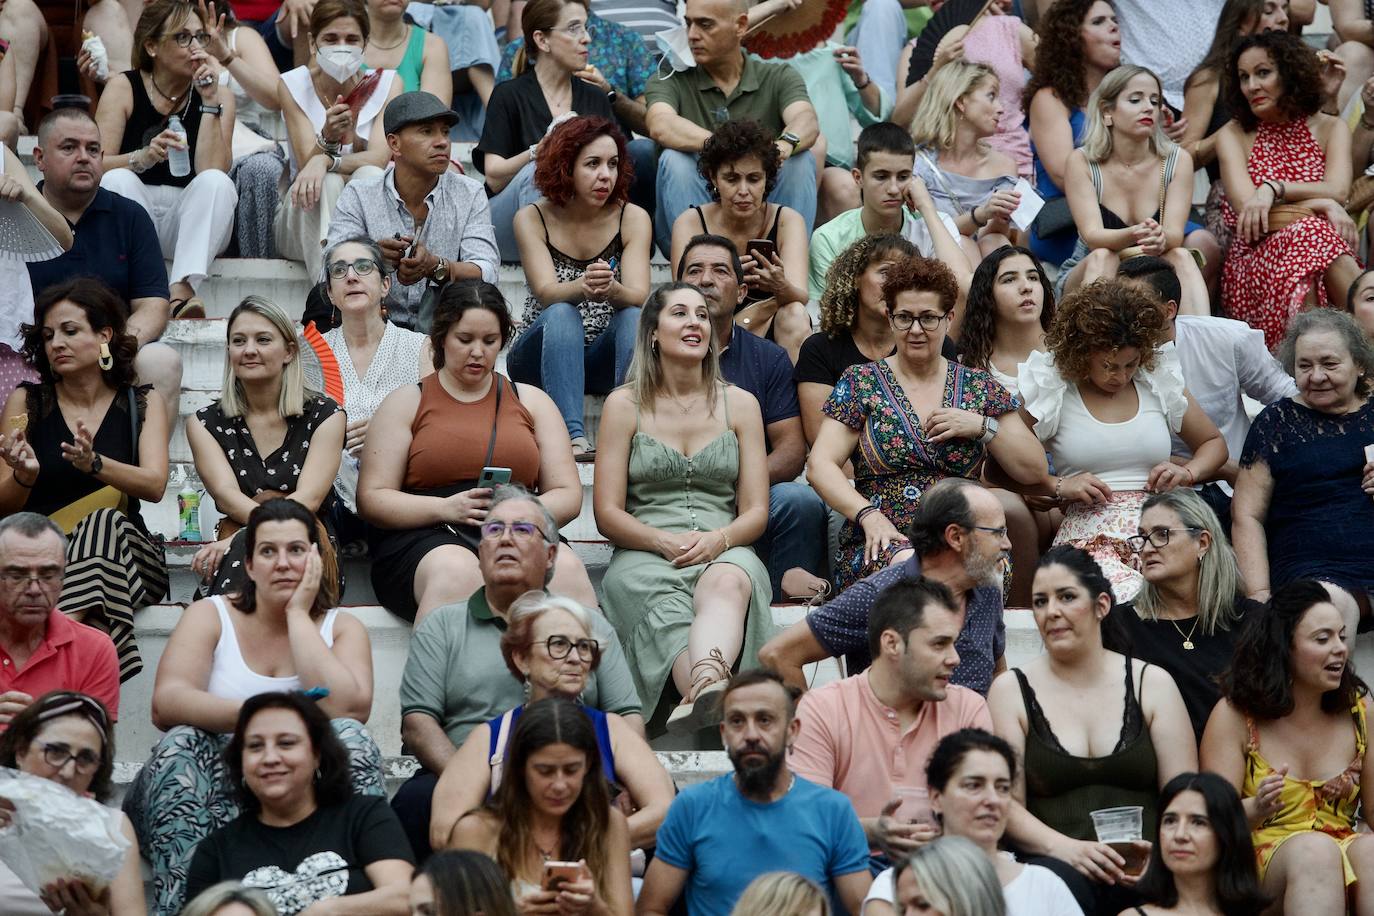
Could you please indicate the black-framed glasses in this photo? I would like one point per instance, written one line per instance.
(998, 533)
(558, 647)
(903, 321)
(184, 38)
(57, 754)
(521, 531)
(20, 578)
(363, 267)
(1158, 539)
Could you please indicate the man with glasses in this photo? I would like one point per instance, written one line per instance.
(42, 649)
(432, 224)
(455, 677)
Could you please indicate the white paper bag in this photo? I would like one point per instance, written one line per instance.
(56, 833)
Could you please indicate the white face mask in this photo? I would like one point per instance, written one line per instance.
(672, 44)
(340, 62)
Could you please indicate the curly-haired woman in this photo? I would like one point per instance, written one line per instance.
(908, 421)
(585, 249)
(1080, 43)
(1104, 401)
(1281, 149)
(740, 163)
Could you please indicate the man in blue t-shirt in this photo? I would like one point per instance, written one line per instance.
(721, 835)
(796, 536)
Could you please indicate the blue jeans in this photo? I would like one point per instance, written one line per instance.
(880, 35)
(642, 153)
(680, 186)
(519, 192)
(796, 533)
(544, 356)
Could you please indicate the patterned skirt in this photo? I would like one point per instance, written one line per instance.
(1102, 531)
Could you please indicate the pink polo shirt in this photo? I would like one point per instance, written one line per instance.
(851, 742)
(72, 656)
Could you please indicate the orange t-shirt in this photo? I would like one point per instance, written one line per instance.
(449, 438)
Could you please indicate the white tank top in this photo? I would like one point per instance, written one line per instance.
(230, 676)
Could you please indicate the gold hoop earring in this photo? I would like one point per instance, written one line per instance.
(653, 346)
(106, 357)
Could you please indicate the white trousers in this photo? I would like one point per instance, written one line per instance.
(193, 223)
(300, 234)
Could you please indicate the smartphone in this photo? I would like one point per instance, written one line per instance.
(556, 874)
(492, 477)
(762, 249)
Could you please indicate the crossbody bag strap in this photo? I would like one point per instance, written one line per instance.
(133, 423)
(496, 417)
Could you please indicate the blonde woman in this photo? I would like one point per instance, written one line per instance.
(968, 179)
(951, 876)
(231, 898)
(1130, 189)
(782, 893)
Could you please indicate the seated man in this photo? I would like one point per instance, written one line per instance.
(455, 238)
(795, 539)
(725, 84)
(959, 535)
(42, 648)
(455, 678)
(722, 834)
(872, 733)
(115, 242)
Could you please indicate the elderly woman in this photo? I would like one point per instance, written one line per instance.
(909, 420)
(681, 491)
(434, 452)
(68, 737)
(266, 437)
(550, 645)
(280, 632)
(83, 446)
(1292, 737)
(174, 77)
(1104, 401)
(1303, 506)
(301, 816)
(585, 250)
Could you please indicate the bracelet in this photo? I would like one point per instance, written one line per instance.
(611, 96)
(862, 513)
(215, 110)
(138, 162)
(1058, 485)
(26, 486)
(725, 536)
(329, 146)
(868, 81)
(1192, 478)
(973, 214)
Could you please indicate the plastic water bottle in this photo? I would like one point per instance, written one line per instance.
(178, 158)
(188, 508)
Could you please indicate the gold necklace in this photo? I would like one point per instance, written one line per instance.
(687, 408)
(1188, 637)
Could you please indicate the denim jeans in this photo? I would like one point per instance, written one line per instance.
(518, 192)
(680, 186)
(879, 36)
(544, 355)
(796, 533)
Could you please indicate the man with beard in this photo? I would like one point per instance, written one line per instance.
(722, 834)
(959, 534)
(870, 735)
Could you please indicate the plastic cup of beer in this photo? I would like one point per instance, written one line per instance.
(1121, 829)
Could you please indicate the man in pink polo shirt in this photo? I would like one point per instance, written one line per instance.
(41, 649)
(872, 733)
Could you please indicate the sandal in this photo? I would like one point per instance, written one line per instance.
(809, 595)
(582, 449)
(701, 708)
(183, 309)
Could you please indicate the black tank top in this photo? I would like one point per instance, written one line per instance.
(146, 122)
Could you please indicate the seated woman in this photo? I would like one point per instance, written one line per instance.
(420, 59)
(333, 121)
(585, 250)
(1302, 507)
(681, 490)
(1084, 748)
(460, 883)
(907, 421)
(1280, 149)
(266, 437)
(231, 898)
(57, 729)
(280, 632)
(520, 111)
(550, 646)
(1192, 605)
(1130, 190)
(428, 446)
(174, 77)
(969, 180)
(782, 893)
(83, 445)
(740, 163)
(949, 875)
(1292, 737)
(1205, 861)
(855, 328)
(301, 816)
(250, 74)
(1080, 43)
(1359, 303)
(522, 826)
(1104, 401)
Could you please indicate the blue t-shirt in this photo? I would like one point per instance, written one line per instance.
(761, 368)
(115, 241)
(724, 840)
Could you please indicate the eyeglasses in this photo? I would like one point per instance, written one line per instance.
(559, 646)
(574, 29)
(1158, 539)
(903, 321)
(998, 533)
(57, 754)
(184, 38)
(521, 531)
(363, 267)
(16, 578)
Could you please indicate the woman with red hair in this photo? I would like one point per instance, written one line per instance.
(585, 249)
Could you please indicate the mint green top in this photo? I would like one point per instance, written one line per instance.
(414, 61)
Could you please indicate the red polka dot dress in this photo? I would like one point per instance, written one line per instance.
(1266, 284)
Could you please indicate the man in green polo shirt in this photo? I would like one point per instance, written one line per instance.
(686, 106)
(455, 677)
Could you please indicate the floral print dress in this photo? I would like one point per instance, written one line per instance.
(894, 461)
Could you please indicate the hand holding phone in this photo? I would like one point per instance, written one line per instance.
(762, 250)
(492, 477)
(556, 874)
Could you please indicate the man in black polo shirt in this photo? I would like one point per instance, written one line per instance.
(796, 534)
(115, 242)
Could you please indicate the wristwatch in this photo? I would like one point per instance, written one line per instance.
(440, 273)
(989, 430)
(215, 110)
(96, 465)
(334, 160)
(790, 138)
(611, 96)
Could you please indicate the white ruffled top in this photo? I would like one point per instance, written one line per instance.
(1121, 455)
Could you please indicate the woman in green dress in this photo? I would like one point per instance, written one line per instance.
(684, 590)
